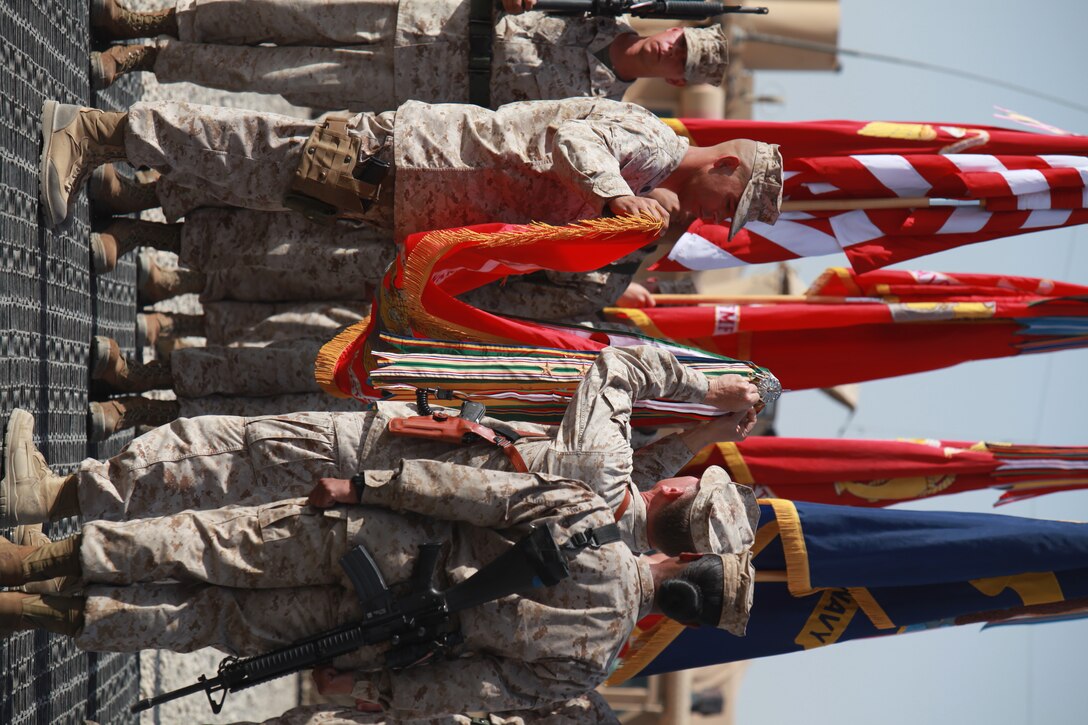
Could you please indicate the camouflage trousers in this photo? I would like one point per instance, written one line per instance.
(590, 709)
(245, 579)
(281, 256)
(258, 324)
(214, 156)
(209, 462)
(328, 55)
(278, 368)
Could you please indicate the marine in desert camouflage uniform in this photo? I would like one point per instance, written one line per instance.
(590, 709)
(449, 165)
(250, 579)
(208, 462)
(374, 55)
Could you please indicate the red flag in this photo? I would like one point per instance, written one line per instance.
(884, 472)
(850, 327)
(1027, 182)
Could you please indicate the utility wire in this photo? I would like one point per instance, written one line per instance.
(744, 35)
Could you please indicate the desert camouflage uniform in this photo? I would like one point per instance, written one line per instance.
(259, 324)
(208, 462)
(373, 55)
(548, 161)
(275, 369)
(590, 709)
(249, 579)
(282, 256)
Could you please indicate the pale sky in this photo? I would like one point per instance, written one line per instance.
(1016, 675)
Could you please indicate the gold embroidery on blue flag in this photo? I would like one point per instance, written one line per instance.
(829, 620)
(765, 534)
(1034, 588)
(871, 608)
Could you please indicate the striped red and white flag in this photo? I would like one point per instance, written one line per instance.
(1019, 194)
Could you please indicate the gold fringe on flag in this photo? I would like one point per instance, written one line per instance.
(647, 646)
(330, 353)
(431, 248)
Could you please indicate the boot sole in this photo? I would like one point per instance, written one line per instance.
(99, 80)
(99, 261)
(55, 116)
(20, 422)
(100, 429)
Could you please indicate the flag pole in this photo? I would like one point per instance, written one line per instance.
(671, 299)
(912, 202)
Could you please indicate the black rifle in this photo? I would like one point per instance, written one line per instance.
(664, 9)
(417, 625)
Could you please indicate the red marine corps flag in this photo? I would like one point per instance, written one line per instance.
(885, 472)
(888, 192)
(850, 327)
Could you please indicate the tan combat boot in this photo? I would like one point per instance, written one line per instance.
(159, 329)
(30, 493)
(23, 564)
(109, 366)
(113, 193)
(32, 535)
(154, 284)
(110, 21)
(123, 235)
(60, 615)
(121, 414)
(109, 65)
(74, 141)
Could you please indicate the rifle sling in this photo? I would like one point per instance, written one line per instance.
(480, 30)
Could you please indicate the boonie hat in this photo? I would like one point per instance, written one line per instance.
(708, 55)
(761, 200)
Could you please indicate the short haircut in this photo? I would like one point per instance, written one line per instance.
(695, 596)
(672, 525)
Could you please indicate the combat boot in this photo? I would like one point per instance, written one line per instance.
(121, 414)
(112, 193)
(32, 535)
(122, 375)
(155, 284)
(60, 615)
(74, 141)
(110, 21)
(123, 235)
(30, 493)
(23, 564)
(109, 65)
(155, 328)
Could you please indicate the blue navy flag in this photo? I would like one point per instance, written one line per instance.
(848, 573)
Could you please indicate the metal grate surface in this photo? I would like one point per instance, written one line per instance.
(50, 308)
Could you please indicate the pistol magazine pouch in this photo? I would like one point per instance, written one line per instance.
(327, 184)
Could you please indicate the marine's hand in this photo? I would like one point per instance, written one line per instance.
(635, 296)
(636, 205)
(331, 681)
(732, 394)
(517, 6)
(331, 491)
(670, 202)
(731, 427)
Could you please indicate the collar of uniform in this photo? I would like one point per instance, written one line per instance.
(633, 523)
(646, 586)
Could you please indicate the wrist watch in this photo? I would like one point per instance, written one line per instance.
(358, 484)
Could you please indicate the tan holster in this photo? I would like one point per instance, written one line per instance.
(324, 188)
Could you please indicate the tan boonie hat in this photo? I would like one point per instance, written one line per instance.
(724, 516)
(761, 200)
(708, 55)
(739, 584)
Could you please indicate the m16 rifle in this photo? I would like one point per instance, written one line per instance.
(662, 9)
(417, 626)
